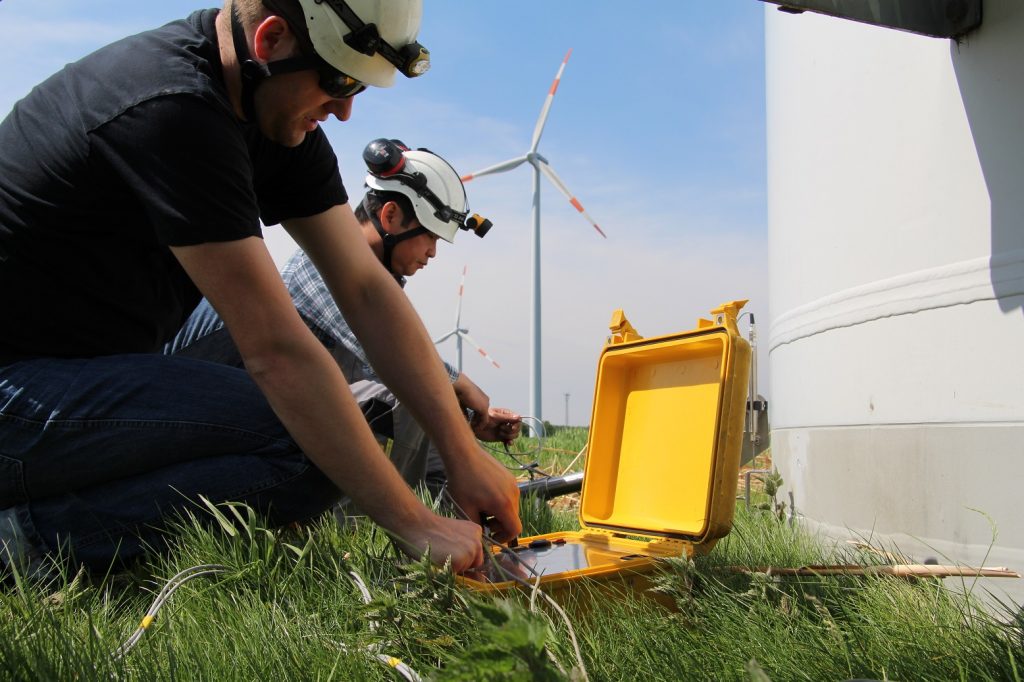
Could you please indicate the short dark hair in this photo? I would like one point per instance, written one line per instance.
(252, 12)
(249, 11)
(375, 200)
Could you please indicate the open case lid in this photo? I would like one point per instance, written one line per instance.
(666, 431)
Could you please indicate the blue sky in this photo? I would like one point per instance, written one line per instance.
(657, 128)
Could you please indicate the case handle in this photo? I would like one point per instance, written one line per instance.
(726, 314)
(622, 330)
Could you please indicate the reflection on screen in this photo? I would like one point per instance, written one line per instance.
(545, 558)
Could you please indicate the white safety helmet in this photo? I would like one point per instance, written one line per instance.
(368, 39)
(431, 184)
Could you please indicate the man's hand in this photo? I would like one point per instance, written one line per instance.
(482, 488)
(492, 424)
(500, 425)
(446, 538)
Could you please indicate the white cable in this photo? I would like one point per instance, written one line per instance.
(367, 597)
(165, 593)
(182, 577)
(534, 591)
(374, 649)
(396, 664)
(534, 588)
(399, 666)
(387, 413)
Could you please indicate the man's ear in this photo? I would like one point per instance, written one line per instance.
(273, 40)
(391, 217)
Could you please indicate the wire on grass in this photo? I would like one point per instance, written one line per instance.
(165, 593)
(533, 467)
(535, 591)
(397, 664)
(533, 587)
(193, 572)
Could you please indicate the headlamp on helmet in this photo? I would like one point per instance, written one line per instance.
(478, 224)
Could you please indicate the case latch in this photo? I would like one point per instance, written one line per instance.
(622, 330)
(725, 315)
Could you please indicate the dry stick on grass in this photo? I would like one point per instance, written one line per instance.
(898, 571)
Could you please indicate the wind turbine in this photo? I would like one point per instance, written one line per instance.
(540, 165)
(460, 332)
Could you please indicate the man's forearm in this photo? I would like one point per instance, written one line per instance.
(414, 372)
(308, 394)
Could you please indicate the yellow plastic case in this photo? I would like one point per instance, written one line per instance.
(663, 457)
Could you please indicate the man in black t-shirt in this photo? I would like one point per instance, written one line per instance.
(133, 182)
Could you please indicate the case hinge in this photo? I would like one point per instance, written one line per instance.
(665, 546)
(676, 544)
(599, 531)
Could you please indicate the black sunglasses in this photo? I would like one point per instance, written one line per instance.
(337, 84)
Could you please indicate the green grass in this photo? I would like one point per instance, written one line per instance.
(287, 608)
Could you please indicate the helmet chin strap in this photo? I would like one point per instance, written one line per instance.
(253, 72)
(390, 240)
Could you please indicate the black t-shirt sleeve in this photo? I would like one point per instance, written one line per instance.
(185, 160)
(297, 182)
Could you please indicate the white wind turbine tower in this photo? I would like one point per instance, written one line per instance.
(540, 164)
(460, 332)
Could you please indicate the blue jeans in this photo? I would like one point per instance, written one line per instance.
(205, 336)
(98, 454)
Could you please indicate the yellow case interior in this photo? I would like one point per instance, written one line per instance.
(662, 453)
(652, 440)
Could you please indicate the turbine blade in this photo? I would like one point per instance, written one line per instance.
(479, 350)
(445, 337)
(458, 307)
(547, 105)
(553, 177)
(496, 168)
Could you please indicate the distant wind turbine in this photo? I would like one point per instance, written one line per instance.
(540, 165)
(460, 332)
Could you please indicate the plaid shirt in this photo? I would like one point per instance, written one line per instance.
(316, 307)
